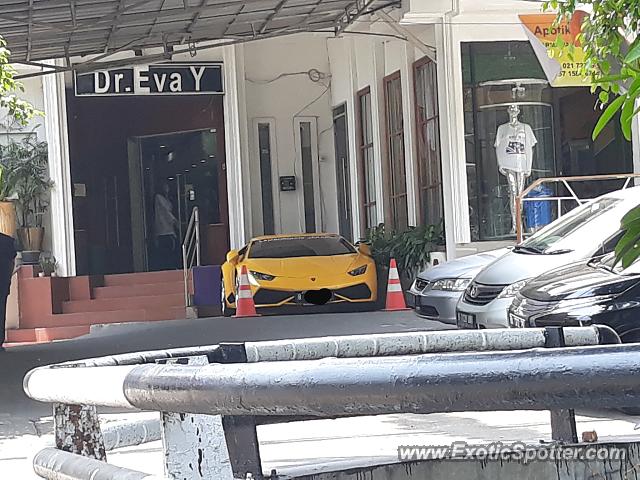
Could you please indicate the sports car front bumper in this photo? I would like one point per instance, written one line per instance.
(266, 297)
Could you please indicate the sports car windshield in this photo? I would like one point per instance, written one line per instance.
(288, 247)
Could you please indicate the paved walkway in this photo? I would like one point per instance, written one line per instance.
(323, 445)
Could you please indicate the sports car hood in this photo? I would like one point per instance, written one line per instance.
(300, 267)
(463, 267)
(577, 281)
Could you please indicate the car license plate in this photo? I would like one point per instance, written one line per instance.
(517, 322)
(466, 320)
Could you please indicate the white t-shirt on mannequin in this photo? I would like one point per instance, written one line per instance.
(514, 147)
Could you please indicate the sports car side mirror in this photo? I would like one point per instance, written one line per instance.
(232, 256)
(364, 249)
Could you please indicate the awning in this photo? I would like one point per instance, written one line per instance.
(44, 29)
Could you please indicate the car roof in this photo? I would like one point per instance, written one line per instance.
(295, 235)
(624, 194)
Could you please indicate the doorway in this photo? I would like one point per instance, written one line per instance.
(170, 175)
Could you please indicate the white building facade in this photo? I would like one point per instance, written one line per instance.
(392, 122)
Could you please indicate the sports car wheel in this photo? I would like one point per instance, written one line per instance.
(227, 311)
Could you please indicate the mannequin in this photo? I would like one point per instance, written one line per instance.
(514, 151)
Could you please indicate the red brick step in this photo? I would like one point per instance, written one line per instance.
(140, 290)
(124, 303)
(170, 276)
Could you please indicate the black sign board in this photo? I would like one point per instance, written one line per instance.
(160, 79)
(287, 183)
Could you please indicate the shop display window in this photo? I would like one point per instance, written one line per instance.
(518, 129)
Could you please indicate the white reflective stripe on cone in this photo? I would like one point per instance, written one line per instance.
(244, 293)
(393, 274)
(394, 287)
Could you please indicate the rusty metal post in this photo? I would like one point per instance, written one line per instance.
(240, 431)
(77, 430)
(194, 445)
(563, 421)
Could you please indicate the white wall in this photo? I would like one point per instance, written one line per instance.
(278, 88)
(359, 61)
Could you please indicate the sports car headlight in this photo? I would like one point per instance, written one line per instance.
(511, 290)
(451, 284)
(358, 271)
(261, 276)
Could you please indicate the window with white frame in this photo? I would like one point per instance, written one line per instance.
(428, 133)
(396, 168)
(367, 161)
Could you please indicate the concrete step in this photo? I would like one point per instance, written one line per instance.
(143, 278)
(45, 334)
(18, 344)
(117, 316)
(139, 290)
(124, 303)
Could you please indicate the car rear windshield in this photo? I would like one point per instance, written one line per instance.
(300, 247)
(581, 220)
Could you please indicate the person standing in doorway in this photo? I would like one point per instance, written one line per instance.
(166, 230)
(7, 265)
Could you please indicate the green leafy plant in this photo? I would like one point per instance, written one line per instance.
(7, 184)
(411, 248)
(27, 178)
(48, 265)
(611, 42)
(20, 110)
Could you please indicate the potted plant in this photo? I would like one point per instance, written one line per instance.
(411, 249)
(48, 266)
(7, 206)
(27, 162)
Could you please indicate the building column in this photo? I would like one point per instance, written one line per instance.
(378, 124)
(236, 146)
(352, 143)
(61, 207)
(410, 138)
(451, 108)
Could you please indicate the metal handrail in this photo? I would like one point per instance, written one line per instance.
(190, 251)
(520, 199)
(328, 377)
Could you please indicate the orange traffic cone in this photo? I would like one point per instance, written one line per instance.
(395, 297)
(244, 300)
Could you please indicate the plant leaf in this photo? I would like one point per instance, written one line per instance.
(634, 52)
(626, 118)
(607, 115)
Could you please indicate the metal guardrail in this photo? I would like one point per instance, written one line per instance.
(565, 181)
(190, 251)
(213, 397)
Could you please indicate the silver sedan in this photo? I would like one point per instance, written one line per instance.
(435, 292)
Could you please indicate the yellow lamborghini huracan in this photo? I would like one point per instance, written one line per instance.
(301, 269)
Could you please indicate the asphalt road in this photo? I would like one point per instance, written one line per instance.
(112, 339)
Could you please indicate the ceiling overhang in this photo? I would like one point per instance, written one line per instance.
(36, 30)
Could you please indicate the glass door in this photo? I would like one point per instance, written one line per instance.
(179, 171)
